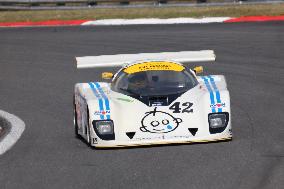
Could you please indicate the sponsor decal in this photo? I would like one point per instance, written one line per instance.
(157, 104)
(163, 138)
(125, 99)
(218, 105)
(159, 65)
(102, 112)
(147, 138)
(95, 140)
(159, 122)
(186, 137)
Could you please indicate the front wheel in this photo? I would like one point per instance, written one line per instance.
(89, 139)
(75, 119)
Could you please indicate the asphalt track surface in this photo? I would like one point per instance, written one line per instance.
(37, 76)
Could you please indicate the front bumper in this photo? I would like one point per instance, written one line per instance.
(121, 144)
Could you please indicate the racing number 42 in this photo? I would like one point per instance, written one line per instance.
(186, 107)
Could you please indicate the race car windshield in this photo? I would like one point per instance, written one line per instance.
(154, 82)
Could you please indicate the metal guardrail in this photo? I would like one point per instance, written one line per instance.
(81, 4)
(68, 4)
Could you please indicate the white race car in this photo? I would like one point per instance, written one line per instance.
(152, 102)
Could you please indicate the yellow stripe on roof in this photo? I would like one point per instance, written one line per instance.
(157, 65)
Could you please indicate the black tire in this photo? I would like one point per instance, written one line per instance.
(89, 140)
(75, 119)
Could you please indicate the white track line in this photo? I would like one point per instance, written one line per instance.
(16, 130)
(157, 21)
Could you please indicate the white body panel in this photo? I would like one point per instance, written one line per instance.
(129, 115)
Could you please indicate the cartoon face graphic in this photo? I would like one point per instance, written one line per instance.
(159, 122)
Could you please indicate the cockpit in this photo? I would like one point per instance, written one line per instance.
(154, 79)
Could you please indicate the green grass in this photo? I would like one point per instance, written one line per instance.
(130, 13)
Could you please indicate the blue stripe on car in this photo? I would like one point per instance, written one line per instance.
(105, 98)
(99, 98)
(210, 92)
(216, 91)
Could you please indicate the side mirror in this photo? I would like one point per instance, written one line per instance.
(107, 75)
(198, 69)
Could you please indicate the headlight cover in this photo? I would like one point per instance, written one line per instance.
(218, 122)
(104, 129)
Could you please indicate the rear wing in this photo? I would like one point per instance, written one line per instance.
(123, 59)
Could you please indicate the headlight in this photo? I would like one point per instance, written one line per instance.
(104, 129)
(218, 122)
